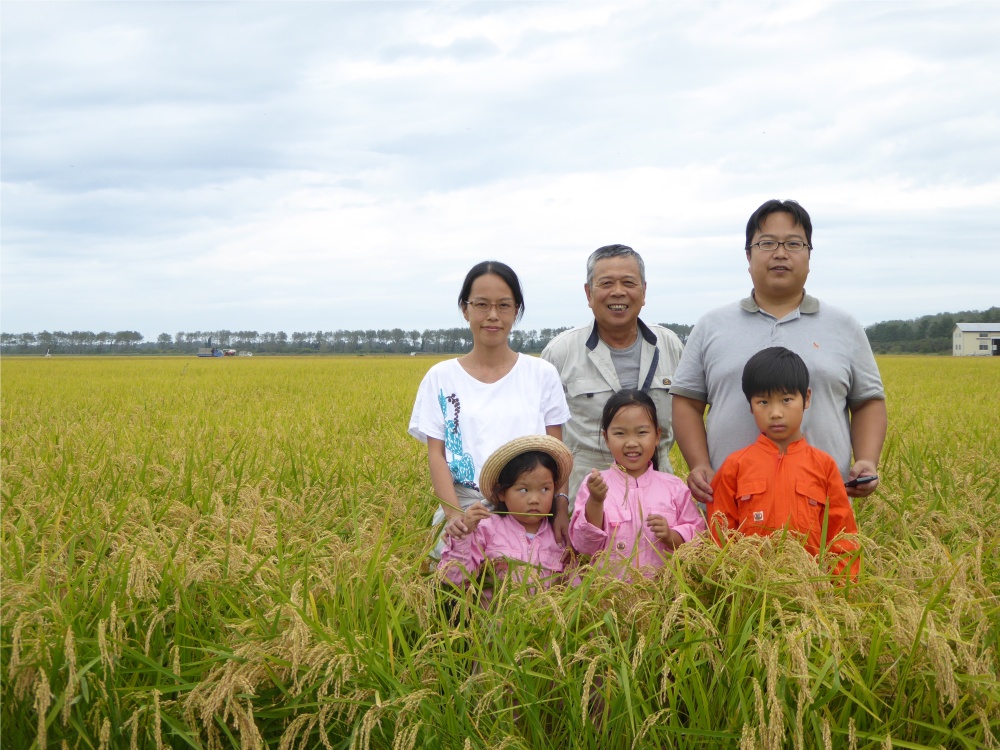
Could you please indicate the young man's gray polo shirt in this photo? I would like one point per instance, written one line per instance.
(842, 372)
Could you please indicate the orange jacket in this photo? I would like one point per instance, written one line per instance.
(758, 490)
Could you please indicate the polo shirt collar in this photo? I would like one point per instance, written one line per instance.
(644, 331)
(807, 306)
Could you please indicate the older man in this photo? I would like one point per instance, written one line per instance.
(616, 351)
(847, 414)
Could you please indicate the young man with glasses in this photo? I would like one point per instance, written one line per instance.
(847, 416)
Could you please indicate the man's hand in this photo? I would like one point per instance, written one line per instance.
(597, 487)
(862, 469)
(700, 482)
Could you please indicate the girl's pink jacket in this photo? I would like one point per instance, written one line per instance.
(502, 539)
(628, 542)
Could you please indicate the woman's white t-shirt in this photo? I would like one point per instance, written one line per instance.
(475, 418)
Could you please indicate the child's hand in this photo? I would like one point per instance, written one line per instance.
(662, 531)
(597, 487)
(659, 526)
(474, 514)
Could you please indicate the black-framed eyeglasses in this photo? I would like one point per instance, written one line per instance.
(792, 246)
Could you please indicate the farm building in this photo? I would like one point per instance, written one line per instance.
(976, 340)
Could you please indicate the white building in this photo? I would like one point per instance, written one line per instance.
(976, 340)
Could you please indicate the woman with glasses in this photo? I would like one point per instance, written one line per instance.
(468, 407)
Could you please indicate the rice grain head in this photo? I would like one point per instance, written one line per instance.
(69, 651)
(43, 698)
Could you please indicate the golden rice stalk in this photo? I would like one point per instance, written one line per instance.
(558, 653)
(105, 735)
(650, 721)
(157, 734)
(640, 648)
(588, 682)
(69, 653)
(43, 698)
(775, 731)
(302, 724)
(406, 736)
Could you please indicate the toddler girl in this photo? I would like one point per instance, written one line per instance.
(520, 478)
(634, 513)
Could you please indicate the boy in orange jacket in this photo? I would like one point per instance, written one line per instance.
(780, 481)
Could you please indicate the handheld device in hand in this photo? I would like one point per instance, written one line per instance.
(861, 480)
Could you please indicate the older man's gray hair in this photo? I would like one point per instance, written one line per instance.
(614, 251)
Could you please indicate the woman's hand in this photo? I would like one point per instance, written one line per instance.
(456, 528)
(560, 525)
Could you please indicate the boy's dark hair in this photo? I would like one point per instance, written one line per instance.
(775, 370)
(630, 397)
(774, 206)
(517, 466)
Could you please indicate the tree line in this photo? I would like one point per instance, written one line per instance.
(929, 334)
(370, 341)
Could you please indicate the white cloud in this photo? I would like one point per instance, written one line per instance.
(341, 165)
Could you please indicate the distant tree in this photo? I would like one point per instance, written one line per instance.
(397, 337)
(682, 331)
(164, 340)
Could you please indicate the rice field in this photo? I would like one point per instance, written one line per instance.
(228, 553)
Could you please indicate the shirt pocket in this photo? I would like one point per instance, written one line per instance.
(811, 506)
(587, 388)
(752, 509)
(549, 559)
(620, 544)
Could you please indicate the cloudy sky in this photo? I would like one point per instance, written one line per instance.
(178, 166)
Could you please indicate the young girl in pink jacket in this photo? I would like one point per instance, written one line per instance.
(632, 515)
(521, 478)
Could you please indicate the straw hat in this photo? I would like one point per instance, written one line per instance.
(503, 455)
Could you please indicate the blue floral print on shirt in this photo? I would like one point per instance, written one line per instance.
(463, 468)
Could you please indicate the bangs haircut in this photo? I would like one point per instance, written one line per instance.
(775, 370)
(630, 397)
(774, 206)
(519, 465)
(501, 270)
